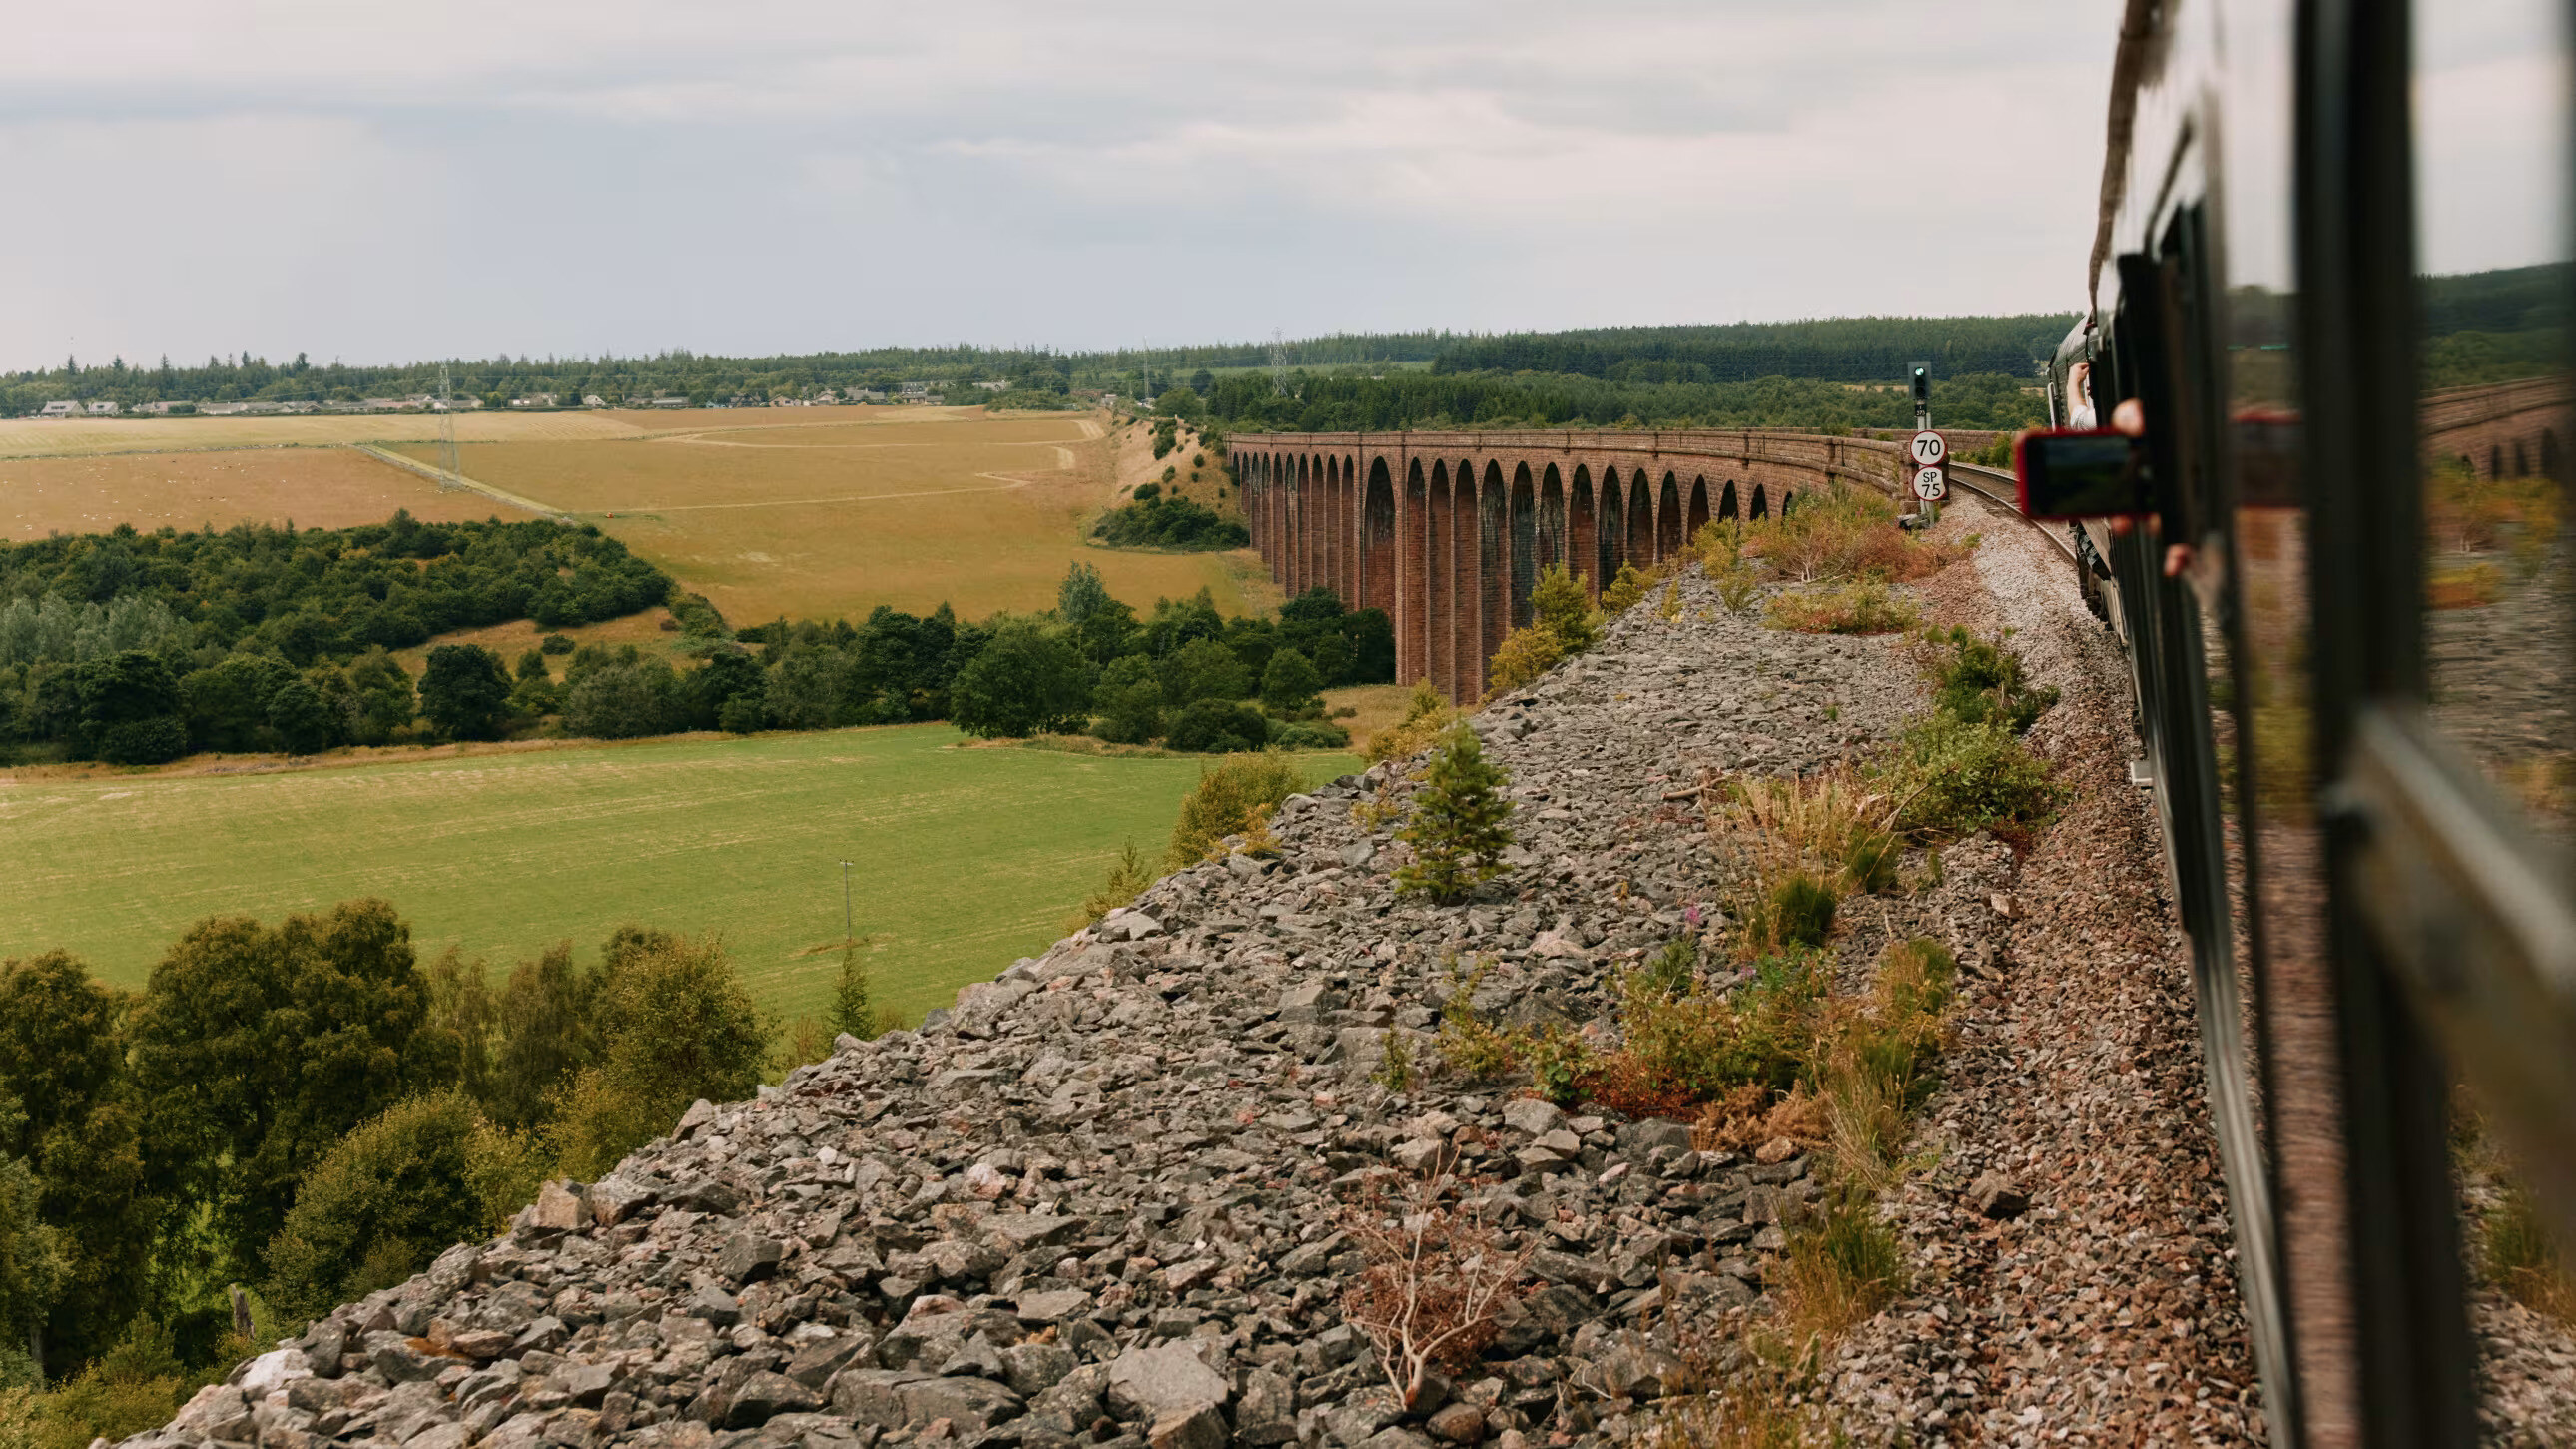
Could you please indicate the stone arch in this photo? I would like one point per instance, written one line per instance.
(2495, 460)
(2521, 460)
(1337, 537)
(1613, 546)
(1413, 579)
(1761, 503)
(1640, 547)
(1582, 535)
(2552, 465)
(1551, 521)
(1668, 520)
(1788, 500)
(1698, 508)
(1727, 507)
(1525, 546)
(1377, 541)
(1493, 571)
(1440, 613)
(1349, 587)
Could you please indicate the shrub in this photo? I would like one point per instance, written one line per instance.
(1679, 1053)
(1426, 714)
(1802, 910)
(1958, 778)
(1844, 533)
(1308, 735)
(1218, 727)
(1230, 799)
(1980, 680)
(1855, 608)
(136, 1386)
(1626, 588)
(1290, 686)
(1736, 588)
(1458, 827)
(1525, 655)
(1557, 604)
(556, 644)
(1128, 878)
(1845, 1266)
(394, 1194)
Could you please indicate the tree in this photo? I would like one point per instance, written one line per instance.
(32, 1269)
(226, 705)
(1204, 669)
(1080, 595)
(1290, 687)
(1024, 681)
(129, 710)
(464, 691)
(383, 695)
(623, 700)
(384, 1201)
(677, 1026)
(255, 1050)
(1230, 799)
(854, 1009)
(1129, 701)
(300, 718)
(1458, 827)
(62, 1061)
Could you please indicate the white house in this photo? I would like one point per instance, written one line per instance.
(594, 400)
(102, 410)
(534, 400)
(61, 408)
(670, 402)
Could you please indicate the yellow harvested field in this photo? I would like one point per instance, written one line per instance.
(80, 437)
(695, 420)
(316, 487)
(826, 517)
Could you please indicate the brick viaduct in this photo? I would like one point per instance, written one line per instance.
(1447, 531)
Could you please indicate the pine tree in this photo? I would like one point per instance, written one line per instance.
(852, 1010)
(1457, 830)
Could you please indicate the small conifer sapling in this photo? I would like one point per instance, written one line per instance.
(1459, 827)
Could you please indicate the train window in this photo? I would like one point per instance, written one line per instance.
(2492, 257)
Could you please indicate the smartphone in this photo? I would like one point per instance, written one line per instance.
(2069, 473)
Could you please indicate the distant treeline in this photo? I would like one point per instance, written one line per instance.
(1427, 400)
(139, 648)
(1838, 349)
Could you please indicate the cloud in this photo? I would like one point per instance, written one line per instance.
(379, 182)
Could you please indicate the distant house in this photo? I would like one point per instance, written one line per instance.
(826, 398)
(221, 410)
(534, 400)
(670, 402)
(994, 386)
(866, 395)
(102, 410)
(302, 407)
(62, 408)
(594, 400)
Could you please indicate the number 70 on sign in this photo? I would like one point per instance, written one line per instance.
(1928, 449)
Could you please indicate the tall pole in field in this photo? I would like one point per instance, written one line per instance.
(849, 933)
(447, 430)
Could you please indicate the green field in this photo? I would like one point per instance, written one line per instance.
(965, 858)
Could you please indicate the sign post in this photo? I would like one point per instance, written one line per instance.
(1928, 448)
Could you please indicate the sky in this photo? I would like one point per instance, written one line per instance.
(379, 183)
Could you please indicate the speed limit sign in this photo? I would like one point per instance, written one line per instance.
(1928, 449)
(1929, 485)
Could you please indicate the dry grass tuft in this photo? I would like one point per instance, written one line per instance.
(1859, 607)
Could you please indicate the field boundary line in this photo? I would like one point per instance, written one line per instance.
(1009, 485)
(441, 475)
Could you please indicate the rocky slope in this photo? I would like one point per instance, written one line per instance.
(1110, 1196)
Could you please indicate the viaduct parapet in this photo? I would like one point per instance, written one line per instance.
(1448, 531)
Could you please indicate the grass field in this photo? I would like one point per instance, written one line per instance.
(965, 858)
(76, 437)
(823, 518)
(314, 487)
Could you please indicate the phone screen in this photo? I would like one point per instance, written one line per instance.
(2068, 474)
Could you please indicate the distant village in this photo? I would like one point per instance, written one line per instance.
(912, 393)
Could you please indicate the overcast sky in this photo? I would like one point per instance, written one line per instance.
(380, 183)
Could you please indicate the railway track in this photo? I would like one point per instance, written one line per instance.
(2004, 491)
